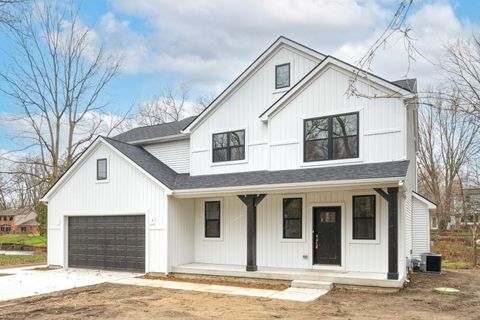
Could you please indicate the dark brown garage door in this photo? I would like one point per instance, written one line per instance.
(107, 242)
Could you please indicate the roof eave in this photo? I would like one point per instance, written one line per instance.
(175, 137)
(282, 187)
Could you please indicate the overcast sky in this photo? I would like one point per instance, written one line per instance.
(207, 43)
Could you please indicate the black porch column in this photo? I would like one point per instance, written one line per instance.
(391, 196)
(252, 201)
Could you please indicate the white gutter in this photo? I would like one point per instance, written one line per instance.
(281, 187)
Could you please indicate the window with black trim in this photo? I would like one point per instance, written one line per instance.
(212, 219)
(228, 146)
(282, 76)
(101, 169)
(364, 217)
(292, 218)
(331, 138)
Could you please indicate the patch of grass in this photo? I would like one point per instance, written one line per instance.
(455, 254)
(456, 265)
(29, 240)
(10, 260)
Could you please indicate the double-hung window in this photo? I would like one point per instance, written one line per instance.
(229, 146)
(292, 218)
(364, 217)
(331, 138)
(212, 219)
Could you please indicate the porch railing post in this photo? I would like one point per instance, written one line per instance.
(392, 233)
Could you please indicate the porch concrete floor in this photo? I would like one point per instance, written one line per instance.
(336, 277)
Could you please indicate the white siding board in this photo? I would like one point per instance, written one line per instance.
(420, 228)
(241, 110)
(181, 231)
(175, 154)
(128, 191)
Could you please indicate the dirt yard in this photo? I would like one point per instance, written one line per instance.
(107, 301)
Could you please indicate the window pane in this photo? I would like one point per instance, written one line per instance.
(292, 218)
(237, 138)
(364, 217)
(316, 150)
(316, 129)
(212, 229)
(101, 169)
(292, 229)
(212, 219)
(220, 140)
(237, 153)
(220, 155)
(282, 76)
(292, 208)
(346, 147)
(345, 125)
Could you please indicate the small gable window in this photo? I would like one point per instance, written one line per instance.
(101, 169)
(212, 219)
(282, 76)
(229, 146)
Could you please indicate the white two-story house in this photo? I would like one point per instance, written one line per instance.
(284, 175)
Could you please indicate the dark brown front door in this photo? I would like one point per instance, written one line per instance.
(327, 235)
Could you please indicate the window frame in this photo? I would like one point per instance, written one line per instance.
(376, 238)
(284, 219)
(289, 75)
(106, 170)
(229, 147)
(220, 219)
(330, 138)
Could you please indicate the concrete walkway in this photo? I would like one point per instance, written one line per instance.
(26, 281)
(293, 294)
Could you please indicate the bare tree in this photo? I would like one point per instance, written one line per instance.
(462, 66)
(448, 140)
(56, 75)
(170, 105)
(6, 7)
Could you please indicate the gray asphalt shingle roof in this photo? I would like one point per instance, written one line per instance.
(154, 131)
(347, 172)
(176, 181)
(146, 161)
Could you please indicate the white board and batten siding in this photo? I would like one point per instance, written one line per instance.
(127, 192)
(420, 228)
(175, 154)
(272, 250)
(381, 121)
(241, 110)
(181, 231)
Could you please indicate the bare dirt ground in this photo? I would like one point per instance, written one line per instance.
(107, 301)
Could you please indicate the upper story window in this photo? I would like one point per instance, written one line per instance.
(101, 169)
(331, 138)
(282, 76)
(229, 146)
(364, 217)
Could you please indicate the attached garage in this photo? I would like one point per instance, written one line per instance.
(107, 242)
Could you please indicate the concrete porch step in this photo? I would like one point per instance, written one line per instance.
(312, 284)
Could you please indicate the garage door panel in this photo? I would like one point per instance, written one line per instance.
(107, 242)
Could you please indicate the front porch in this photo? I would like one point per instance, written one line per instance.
(339, 278)
(251, 240)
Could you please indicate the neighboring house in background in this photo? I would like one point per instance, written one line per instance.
(18, 221)
(467, 208)
(283, 176)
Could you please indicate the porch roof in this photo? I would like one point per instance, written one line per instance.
(183, 182)
(368, 171)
